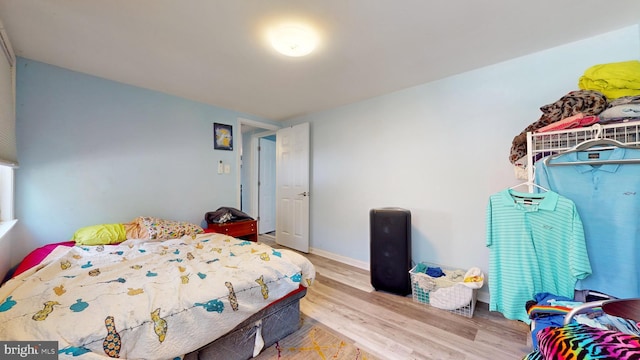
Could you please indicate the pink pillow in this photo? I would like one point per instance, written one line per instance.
(36, 256)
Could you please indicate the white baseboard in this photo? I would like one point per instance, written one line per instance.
(483, 294)
(339, 258)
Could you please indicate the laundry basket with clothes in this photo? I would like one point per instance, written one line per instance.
(448, 289)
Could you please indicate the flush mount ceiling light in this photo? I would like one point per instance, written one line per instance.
(293, 40)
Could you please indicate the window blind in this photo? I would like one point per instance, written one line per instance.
(8, 152)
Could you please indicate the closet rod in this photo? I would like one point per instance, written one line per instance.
(593, 162)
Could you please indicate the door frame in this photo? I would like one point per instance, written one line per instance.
(255, 173)
(253, 164)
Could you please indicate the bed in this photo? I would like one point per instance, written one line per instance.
(199, 296)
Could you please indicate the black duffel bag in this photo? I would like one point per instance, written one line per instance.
(225, 214)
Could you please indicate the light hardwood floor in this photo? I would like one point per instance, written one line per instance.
(395, 327)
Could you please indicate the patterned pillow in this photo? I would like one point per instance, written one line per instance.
(156, 228)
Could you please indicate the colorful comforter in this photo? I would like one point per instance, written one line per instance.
(579, 341)
(147, 299)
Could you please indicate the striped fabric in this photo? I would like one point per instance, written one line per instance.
(536, 244)
(547, 310)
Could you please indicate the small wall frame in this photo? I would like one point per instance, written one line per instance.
(222, 136)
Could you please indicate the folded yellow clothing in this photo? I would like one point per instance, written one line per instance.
(614, 80)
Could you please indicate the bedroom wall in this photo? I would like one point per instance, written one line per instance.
(95, 151)
(439, 149)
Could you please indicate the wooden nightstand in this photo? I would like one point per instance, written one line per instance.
(245, 229)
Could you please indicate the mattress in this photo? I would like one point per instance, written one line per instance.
(235, 317)
(270, 325)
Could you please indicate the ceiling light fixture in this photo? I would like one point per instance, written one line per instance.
(293, 40)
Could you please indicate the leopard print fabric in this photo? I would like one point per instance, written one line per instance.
(588, 102)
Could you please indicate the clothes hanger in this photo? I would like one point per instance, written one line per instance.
(603, 142)
(530, 185)
(594, 144)
(531, 198)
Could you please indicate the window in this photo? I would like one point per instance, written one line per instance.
(6, 193)
(8, 153)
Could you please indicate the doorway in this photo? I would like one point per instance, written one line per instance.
(257, 173)
(292, 179)
(267, 184)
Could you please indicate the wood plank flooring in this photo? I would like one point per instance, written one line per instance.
(395, 327)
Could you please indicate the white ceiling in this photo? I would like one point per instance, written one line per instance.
(213, 51)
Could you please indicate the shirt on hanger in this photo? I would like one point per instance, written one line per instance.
(536, 244)
(608, 199)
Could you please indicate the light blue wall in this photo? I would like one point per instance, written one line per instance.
(94, 151)
(439, 149)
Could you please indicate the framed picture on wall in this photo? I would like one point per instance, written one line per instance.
(222, 137)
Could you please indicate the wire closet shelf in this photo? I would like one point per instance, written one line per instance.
(543, 144)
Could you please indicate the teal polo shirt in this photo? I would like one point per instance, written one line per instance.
(608, 200)
(534, 246)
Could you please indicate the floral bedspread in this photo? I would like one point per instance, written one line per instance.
(147, 299)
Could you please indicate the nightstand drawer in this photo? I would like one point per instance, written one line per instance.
(246, 229)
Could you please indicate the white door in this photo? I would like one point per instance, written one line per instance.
(292, 187)
(267, 186)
